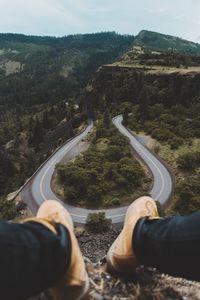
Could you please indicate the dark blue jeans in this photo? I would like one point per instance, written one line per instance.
(171, 244)
(32, 258)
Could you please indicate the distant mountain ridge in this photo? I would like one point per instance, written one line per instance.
(50, 69)
(72, 40)
(149, 39)
(159, 41)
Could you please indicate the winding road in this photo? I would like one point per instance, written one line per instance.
(39, 188)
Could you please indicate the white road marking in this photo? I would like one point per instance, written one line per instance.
(140, 147)
(134, 143)
(110, 217)
(66, 149)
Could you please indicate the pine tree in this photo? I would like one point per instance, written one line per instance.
(106, 119)
(143, 109)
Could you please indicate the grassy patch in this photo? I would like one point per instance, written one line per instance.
(171, 156)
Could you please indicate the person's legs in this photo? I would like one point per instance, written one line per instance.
(31, 258)
(171, 244)
(41, 253)
(121, 259)
(75, 283)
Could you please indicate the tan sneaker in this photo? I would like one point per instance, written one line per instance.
(121, 260)
(75, 283)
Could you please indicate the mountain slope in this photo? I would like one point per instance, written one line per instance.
(159, 41)
(35, 70)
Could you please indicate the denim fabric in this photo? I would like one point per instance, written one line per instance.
(32, 258)
(171, 244)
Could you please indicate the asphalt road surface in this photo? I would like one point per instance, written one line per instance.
(39, 188)
(163, 185)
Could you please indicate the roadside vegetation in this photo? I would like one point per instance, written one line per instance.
(187, 197)
(8, 210)
(107, 175)
(25, 143)
(176, 125)
(27, 139)
(176, 133)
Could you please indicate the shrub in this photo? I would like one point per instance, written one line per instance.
(162, 134)
(61, 173)
(94, 195)
(115, 202)
(156, 148)
(78, 119)
(114, 153)
(8, 210)
(71, 194)
(175, 142)
(189, 161)
(188, 199)
(101, 133)
(95, 177)
(131, 171)
(118, 140)
(97, 223)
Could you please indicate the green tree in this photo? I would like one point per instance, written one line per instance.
(98, 223)
(8, 210)
(106, 119)
(125, 116)
(143, 109)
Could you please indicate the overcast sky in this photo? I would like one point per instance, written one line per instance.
(63, 17)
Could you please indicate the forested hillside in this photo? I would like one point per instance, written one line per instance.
(158, 41)
(161, 90)
(41, 81)
(37, 70)
(49, 87)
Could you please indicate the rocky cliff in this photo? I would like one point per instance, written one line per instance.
(114, 85)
